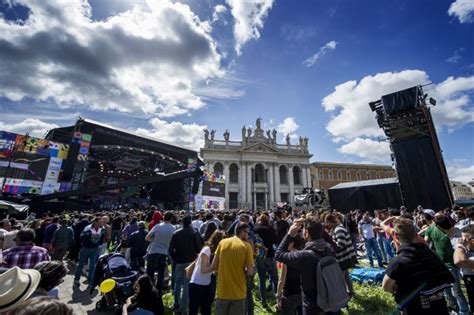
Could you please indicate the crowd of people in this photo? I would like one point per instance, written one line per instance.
(210, 259)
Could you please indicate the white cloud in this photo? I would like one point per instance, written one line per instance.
(367, 149)
(463, 10)
(321, 52)
(219, 10)
(288, 126)
(462, 174)
(146, 59)
(186, 135)
(353, 118)
(34, 127)
(456, 57)
(249, 16)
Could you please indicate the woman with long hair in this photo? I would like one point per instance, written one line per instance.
(200, 288)
(145, 297)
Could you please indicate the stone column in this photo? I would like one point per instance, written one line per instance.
(304, 178)
(249, 183)
(242, 183)
(276, 180)
(227, 181)
(266, 201)
(271, 183)
(292, 185)
(308, 174)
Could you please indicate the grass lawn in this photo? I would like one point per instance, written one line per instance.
(369, 299)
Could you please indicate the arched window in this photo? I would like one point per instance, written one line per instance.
(219, 168)
(233, 173)
(348, 175)
(259, 173)
(367, 175)
(339, 175)
(283, 174)
(297, 175)
(358, 175)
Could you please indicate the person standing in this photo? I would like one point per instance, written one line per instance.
(266, 264)
(416, 276)
(138, 246)
(281, 226)
(63, 238)
(25, 254)
(366, 230)
(439, 235)
(345, 254)
(49, 233)
(107, 236)
(159, 238)
(464, 259)
(91, 238)
(116, 229)
(382, 240)
(234, 262)
(185, 245)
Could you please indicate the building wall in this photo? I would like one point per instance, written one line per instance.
(325, 175)
(461, 191)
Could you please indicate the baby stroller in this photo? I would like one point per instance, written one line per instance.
(114, 266)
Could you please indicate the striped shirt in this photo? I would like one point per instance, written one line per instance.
(24, 256)
(345, 253)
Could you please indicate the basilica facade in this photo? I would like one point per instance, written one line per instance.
(259, 172)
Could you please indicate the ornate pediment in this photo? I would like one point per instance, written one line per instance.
(259, 147)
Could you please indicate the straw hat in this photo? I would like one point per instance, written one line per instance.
(16, 285)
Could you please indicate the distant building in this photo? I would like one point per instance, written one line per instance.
(461, 191)
(325, 175)
(259, 172)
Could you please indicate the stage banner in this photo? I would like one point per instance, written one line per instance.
(52, 175)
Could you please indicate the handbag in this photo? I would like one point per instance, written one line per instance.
(189, 270)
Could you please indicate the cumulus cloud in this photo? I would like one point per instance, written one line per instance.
(321, 52)
(288, 126)
(463, 10)
(219, 10)
(462, 174)
(146, 59)
(353, 119)
(249, 16)
(367, 149)
(35, 127)
(186, 135)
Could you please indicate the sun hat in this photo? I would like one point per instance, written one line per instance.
(16, 285)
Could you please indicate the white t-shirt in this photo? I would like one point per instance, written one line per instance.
(198, 277)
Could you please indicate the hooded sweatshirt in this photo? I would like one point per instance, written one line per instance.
(157, 217)
(305, 261)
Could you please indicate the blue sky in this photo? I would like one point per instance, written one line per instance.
(308, 68)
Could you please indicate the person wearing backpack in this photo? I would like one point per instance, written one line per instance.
(322, 281)
(265, 238)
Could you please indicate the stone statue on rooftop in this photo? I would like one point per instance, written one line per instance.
(226, 135)
(249, 132)
(213, 132)
(243, 133)
(258, 123)
(288, 139)
(269, 134)
(274, 132)
(206, 135)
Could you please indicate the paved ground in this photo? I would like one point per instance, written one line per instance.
(76, 297)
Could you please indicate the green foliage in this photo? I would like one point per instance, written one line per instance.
(369, 299)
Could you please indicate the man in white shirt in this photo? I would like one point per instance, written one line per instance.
(366, 230)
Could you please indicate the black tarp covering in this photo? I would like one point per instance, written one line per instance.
(365, 195)
(401, 101)
(420, 174)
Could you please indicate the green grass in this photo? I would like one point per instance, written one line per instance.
(369, 299)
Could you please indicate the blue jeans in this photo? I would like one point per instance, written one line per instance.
(372, 248)
(85, 254)
(264, 266)
(385, 248)
(180, 281)
(157, 263)
(455, 294)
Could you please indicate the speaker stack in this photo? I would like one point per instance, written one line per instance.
(406, 121)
